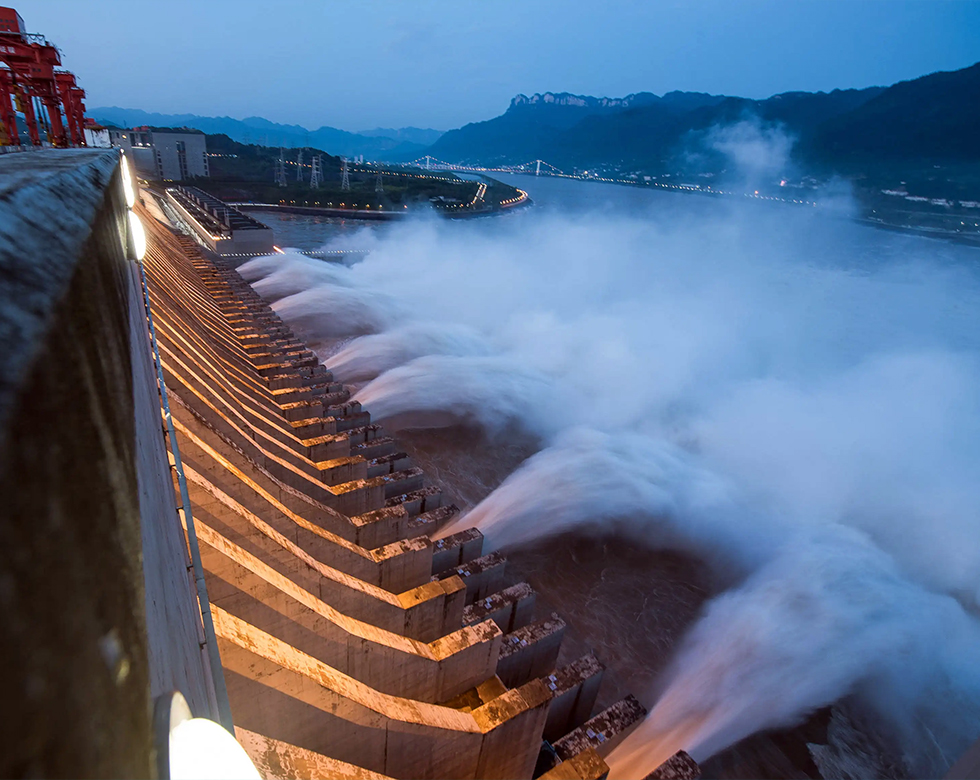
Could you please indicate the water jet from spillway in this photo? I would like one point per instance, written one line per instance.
(740, 393)
(646, 749)
(829, 615)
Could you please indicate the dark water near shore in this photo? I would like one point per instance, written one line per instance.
(625, 601)
(559, 195)
(307, 233)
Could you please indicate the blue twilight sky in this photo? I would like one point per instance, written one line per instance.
(435, 63)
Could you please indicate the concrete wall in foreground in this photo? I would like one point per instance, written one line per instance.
(81, 455)
(173, 619)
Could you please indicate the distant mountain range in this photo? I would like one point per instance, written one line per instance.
(930, 120)
(570, 129)
(933, 118)
(412, 135)
(378, 144)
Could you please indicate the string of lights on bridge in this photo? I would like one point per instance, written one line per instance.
(536, 167)
(539, 167)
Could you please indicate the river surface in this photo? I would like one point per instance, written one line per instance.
(573, 196)
(751, 332)
(308, 233)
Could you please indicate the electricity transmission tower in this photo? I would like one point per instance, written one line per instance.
(299, 166)
(281, 169)
(378, 186)
(316, 174)
(345, 183)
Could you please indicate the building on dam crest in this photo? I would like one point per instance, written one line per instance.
(166, 155)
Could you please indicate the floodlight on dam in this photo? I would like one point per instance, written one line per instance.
(127, 180)
(202, 749)
(189, 747)
(138, 236)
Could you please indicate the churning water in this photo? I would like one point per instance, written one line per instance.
(788, 396)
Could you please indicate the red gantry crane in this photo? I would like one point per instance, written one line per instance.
(29, 84)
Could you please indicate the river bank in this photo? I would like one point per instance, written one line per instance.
(952, 226)
(380, 214)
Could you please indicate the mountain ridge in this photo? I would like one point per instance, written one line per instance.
(933, 117)
(627, 101)
(418, 135)
(936, 116)
(258, 130)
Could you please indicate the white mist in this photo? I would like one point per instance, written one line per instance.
(792, 397)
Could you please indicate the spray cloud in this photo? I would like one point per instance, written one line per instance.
(791, 397)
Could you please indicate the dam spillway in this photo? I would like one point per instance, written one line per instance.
(314, 537)
(351, 644)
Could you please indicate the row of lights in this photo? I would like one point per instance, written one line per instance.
(136, 233)
(412, 176)
(559, 173)
(521, 197)
(511, 169)
(317, 204)
(480, 192)
(312, 252)
(196, 747)
(518, 199)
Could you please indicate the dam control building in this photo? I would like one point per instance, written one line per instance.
(166, 155)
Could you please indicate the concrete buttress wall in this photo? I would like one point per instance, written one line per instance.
(80, 458)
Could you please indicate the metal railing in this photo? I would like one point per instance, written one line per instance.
(210, 639)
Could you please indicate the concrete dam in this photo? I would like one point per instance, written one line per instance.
(198, 508)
